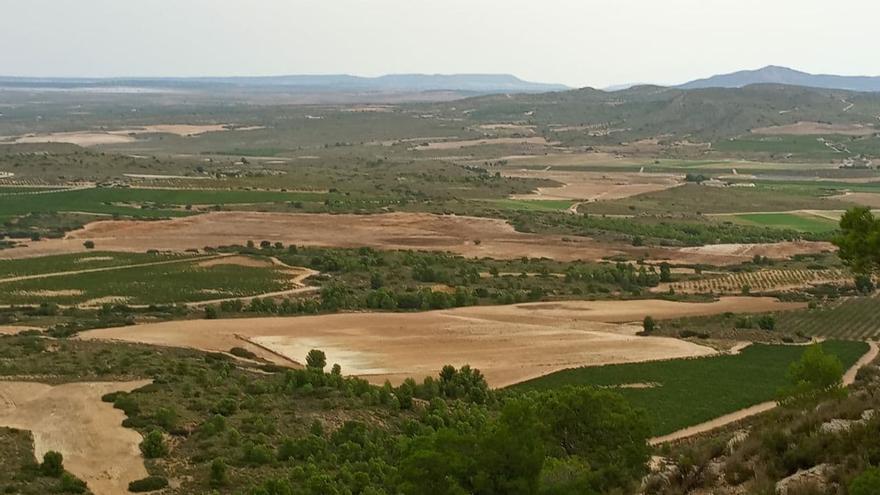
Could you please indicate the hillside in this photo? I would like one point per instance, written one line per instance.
(783, 75)
(654, 111)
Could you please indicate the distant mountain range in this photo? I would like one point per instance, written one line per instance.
(773, 74)
(408, 83)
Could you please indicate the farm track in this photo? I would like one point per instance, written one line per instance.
(848, 379)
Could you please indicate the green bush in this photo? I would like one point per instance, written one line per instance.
(153, 446)
(867, 483)
(70, 484)
(53, 464)
(148, 484)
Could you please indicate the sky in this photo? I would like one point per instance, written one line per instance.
(574, 42)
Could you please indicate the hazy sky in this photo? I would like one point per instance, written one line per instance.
(576, 42)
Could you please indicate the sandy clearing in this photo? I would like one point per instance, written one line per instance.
(246, 261)
(508, 343)
(454, 145)
(864, 199)
(773, 250)
(15, 330)
(595, 186)
(178, 129)
(848, 379)
(419, 231)
(94, 258)
(817, 128)
(72, 419)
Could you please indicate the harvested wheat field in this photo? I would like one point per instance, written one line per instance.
(508, 343)
(72, 419)
(595, 186)
(467, 236)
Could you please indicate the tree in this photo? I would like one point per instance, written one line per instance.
(316, 359)
(210, 313)
(89, 244)
(814, 372)
(53, 464)
(648, 324)
(867, 483)
(153, 446)
(859, 241)
(665, 272)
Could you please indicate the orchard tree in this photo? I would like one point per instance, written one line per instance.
(859, 241)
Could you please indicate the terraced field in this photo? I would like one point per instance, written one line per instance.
(759, 281)
(856, 318)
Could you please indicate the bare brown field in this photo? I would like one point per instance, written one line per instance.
(817, 128)
(454, 145)
(508, 343)
(420, 231)
(83, 138)
(72, 419)
(864, 199)
(595, 186)
(14, 329)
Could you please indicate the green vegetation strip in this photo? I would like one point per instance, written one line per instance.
(148, 284)
(143, 203)
(80, 261)
(793, 221)
(687, 392)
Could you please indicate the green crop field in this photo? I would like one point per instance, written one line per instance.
(143, 203)
(801, 222)
(691, 391)
(532, 204)
(151, 284)
(849, 318)
(79, 261)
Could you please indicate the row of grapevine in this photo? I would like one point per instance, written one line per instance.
(760, 281)
(854, 318)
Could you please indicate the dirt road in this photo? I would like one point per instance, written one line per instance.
(72, 419)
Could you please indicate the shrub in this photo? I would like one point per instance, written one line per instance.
(70, 484)
(242, 353)
(867, 483)
(219, 473)
(53, 464)
(648, 324)
(767, 322)
(148, 484)
(153, 445)
(210, 313)
(89, 244)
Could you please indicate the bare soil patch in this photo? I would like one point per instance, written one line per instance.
(245, 261)
(52, 293)
(83, 138)
(864, 199)
(14, 330)
(72, 420)
(454, 145)
(508, 343)
(817, 128)
(421, 231)
(595, 186)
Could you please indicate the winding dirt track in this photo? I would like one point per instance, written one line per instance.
(508, 343)
(72, 419)
(848, 379)
(467, 236)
